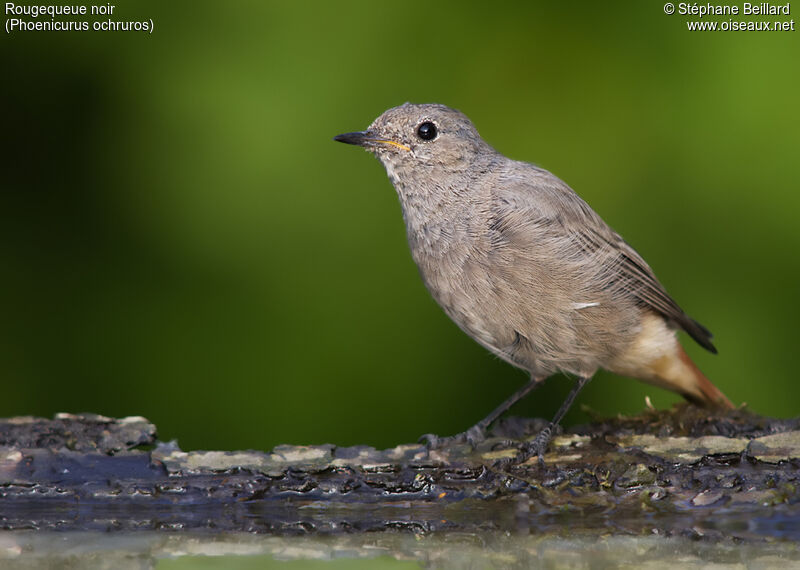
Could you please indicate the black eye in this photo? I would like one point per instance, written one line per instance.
(427, 131)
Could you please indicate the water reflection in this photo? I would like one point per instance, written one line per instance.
(492, 549)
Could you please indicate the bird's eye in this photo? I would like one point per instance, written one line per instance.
(427, 131)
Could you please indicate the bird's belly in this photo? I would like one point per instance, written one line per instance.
(539, 330)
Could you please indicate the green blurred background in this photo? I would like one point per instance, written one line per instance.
(181, 238)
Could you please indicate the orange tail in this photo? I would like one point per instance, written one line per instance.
(705, 393)
(656, 357)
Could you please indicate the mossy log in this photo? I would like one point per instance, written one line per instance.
(680, 472)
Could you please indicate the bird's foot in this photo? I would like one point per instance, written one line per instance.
(537, 447)
(473, 436)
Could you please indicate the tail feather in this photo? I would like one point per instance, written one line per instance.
(656, 357)
(705, 393)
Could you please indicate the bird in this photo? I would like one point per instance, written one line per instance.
(524, 266)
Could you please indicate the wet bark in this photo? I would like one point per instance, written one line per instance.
(674, 472)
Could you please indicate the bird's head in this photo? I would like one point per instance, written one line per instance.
(412, 139)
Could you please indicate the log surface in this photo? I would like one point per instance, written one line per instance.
(684, 472)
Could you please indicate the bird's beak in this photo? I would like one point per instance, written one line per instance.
(359, 138)
(367, 139)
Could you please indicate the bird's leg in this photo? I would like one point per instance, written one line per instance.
(539, 445)
(477, 433)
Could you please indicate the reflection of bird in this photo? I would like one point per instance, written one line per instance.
(525, 267)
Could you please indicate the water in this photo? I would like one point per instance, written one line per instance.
(572, 546)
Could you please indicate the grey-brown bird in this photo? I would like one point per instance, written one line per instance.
(526, 268)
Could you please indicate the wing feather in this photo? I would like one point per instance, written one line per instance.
(547, 200)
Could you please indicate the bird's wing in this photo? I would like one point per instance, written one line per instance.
(632, 275)
(551, 201)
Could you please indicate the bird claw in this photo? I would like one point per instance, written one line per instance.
(473, 436)
(528, 449)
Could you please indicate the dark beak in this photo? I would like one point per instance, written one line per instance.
(360, 138)
(369, 141)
